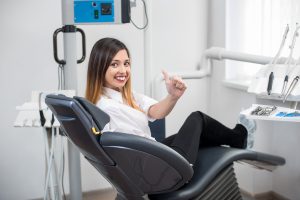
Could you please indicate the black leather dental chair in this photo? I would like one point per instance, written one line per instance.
(139, 168)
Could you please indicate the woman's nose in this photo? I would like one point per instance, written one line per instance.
(122, 68)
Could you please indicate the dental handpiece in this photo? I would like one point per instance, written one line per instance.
(270, 83)
(291, 88)
(286, 79)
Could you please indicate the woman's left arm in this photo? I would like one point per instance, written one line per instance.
(175, 87)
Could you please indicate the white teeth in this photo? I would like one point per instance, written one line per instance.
(120, 78)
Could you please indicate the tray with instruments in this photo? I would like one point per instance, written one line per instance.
(271, 112)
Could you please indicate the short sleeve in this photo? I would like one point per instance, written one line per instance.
(144, 103)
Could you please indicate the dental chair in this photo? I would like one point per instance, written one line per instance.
(139, 168)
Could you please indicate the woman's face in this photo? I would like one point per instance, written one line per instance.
(118, 71)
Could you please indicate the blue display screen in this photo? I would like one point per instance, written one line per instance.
(101, 11)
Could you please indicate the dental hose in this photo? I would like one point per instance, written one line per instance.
(275, 59)
(51, 158)
(284, 94)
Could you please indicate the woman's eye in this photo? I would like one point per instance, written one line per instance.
(114, 64)
(127, 64)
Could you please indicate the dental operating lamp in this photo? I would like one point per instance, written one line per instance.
(82, 12)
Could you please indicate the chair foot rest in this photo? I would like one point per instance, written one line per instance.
(258, 165)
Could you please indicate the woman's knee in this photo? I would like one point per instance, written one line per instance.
(196, 114)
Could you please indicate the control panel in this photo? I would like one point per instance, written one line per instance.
(101, 11)
(94, 11)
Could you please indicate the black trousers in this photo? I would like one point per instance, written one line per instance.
(200, 130)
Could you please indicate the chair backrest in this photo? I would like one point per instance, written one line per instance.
(99, 117)
(76, 123)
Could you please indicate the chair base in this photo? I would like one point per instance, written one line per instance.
(223, 187)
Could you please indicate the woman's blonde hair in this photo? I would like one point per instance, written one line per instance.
(101, 57)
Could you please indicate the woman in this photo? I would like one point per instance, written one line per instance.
(109, 87)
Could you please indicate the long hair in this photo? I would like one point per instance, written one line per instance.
(101, 57)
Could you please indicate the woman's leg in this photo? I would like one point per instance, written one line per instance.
(186, 141)
(215, 133)
(201, 130)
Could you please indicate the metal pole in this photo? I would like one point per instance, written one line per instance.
(70, 55)
(70, 68)
(219, 53)
(74, 172)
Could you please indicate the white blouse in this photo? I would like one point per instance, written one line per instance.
(124, 118)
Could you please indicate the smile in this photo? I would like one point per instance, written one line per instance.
(120, 78)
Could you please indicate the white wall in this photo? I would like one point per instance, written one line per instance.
(177, 37)
(178, 34)
(278, 138)
(27, 64)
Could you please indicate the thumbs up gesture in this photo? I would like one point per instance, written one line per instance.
(175, 85)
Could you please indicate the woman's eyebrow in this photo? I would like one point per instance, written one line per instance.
(120, 60)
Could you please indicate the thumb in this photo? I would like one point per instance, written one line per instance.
(166, 75)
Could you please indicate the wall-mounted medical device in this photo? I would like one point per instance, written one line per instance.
(76, 12)
(96, 12)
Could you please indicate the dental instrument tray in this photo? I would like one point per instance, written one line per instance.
(273, 113)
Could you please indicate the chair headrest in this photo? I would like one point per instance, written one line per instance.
(99, 117)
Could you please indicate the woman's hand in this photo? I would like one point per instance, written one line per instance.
(175, 85)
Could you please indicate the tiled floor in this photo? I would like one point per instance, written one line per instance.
(247, 198)
(108, 194)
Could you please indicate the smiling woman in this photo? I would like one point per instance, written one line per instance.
(109, 88)
(109, 67)
(118, 72)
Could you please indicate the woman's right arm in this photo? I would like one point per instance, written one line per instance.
(175, 87)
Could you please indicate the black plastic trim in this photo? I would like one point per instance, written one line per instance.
(125, 8)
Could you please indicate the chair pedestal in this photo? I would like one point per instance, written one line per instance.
(223, 187)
